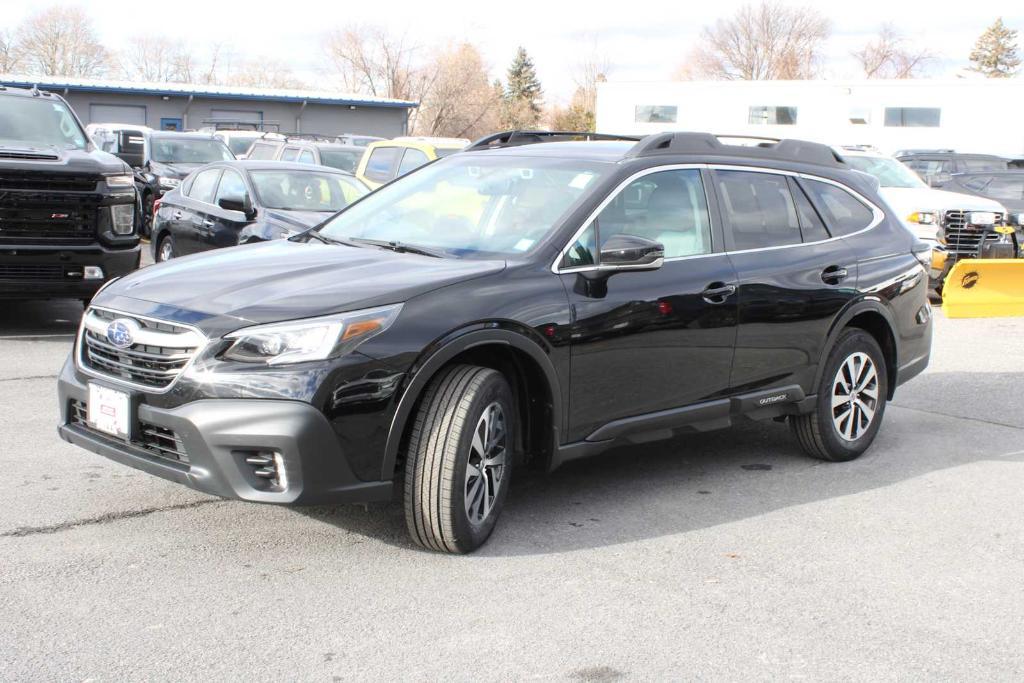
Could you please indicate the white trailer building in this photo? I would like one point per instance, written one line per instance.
(967, 115)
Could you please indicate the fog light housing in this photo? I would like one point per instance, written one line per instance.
(92, 273)
(122, 218)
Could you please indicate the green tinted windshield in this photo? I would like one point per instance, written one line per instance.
(41, 121)
(471, 204)
(889, 172)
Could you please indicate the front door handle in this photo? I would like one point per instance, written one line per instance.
(718, 292)
(833, 275)
(208, 224)
(177, 215)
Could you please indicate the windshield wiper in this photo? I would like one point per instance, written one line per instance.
(400, 247)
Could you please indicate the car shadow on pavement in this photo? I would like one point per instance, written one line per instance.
(697, 481)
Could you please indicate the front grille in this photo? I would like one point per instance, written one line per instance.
(48, 182)
(158, 354)
(963, 239)
(28, 218)
(160, 441)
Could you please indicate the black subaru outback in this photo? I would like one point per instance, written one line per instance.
(512, 304)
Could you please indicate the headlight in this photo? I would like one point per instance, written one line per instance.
(119, 181)
(169, 183)
(1016, 219)
(309, 339)
(924, 218)
(983, 218)
(122, 218)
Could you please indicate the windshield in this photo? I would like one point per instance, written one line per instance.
(446, 152)
(183, 151)
(239, 144)
(305, 190)
(346, 160)
(39, 121)
(471, 204)
(889, 172)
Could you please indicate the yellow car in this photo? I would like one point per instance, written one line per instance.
(386, 160)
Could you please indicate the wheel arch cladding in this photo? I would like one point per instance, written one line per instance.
(524, 364)
(876, 321)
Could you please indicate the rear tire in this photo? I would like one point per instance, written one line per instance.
(851, 400)
(459, 459)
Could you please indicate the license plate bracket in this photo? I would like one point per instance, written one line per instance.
(109, 411)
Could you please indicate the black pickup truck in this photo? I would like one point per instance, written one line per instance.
(68, 212)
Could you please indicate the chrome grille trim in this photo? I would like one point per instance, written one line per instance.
(161, 350)
(961, 240)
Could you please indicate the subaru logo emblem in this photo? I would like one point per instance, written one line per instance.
(121, 333)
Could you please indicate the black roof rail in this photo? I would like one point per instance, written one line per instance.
(708, 144)
(514, 138)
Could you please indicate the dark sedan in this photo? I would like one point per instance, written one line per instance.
(235, 202)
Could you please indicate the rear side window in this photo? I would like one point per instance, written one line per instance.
(306, 157)
(290, 154)
(982, 165)
(811, 226)
(382, 159)
(759, 208)
(204, 185)
(843, 212)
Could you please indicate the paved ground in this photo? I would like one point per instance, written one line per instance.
(724, 556)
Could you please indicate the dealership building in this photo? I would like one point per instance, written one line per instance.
(969, 114)
(180, 106)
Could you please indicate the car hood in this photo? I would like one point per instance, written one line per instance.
(25, 156)
(907, 200)
(286, 280)
(296, 221)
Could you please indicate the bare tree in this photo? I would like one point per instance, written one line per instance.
(888, 56)
(371, 60)
(760, 42)
(61, 41)
(264, 73)
(10, 52)
(461, 101)
(153, 58)
(593, 68)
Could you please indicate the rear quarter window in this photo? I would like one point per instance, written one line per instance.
(380, 163)
(843, 213)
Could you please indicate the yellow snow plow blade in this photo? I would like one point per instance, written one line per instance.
(984, 288)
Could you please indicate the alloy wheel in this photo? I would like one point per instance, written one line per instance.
(166, 251)
(485, 468)
(855, 396)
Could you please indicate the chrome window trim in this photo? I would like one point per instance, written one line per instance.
(80, 345)
(877, 214)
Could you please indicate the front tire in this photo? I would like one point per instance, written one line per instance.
(851, 400)
(165, 250)
(459, 459)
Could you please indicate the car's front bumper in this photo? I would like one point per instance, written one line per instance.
(55, 272)
(216, 436)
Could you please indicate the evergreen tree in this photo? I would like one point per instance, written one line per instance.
(523, 92)
(995, 53)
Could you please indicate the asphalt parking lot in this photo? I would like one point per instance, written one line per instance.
(725, 555)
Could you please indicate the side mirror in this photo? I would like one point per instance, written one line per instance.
(631, 252)
(236, 203)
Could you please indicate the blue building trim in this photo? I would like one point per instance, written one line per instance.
(206, 94)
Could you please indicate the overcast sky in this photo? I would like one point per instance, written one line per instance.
(645, 41)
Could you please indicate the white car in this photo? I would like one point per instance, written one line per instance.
(239, 141)
(948, 221)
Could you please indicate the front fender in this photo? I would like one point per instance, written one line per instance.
(440, 353)
(260, 232)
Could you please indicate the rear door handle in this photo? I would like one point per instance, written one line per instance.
(833, 275)
(718, 292)
(177, 215)
(208, 224)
